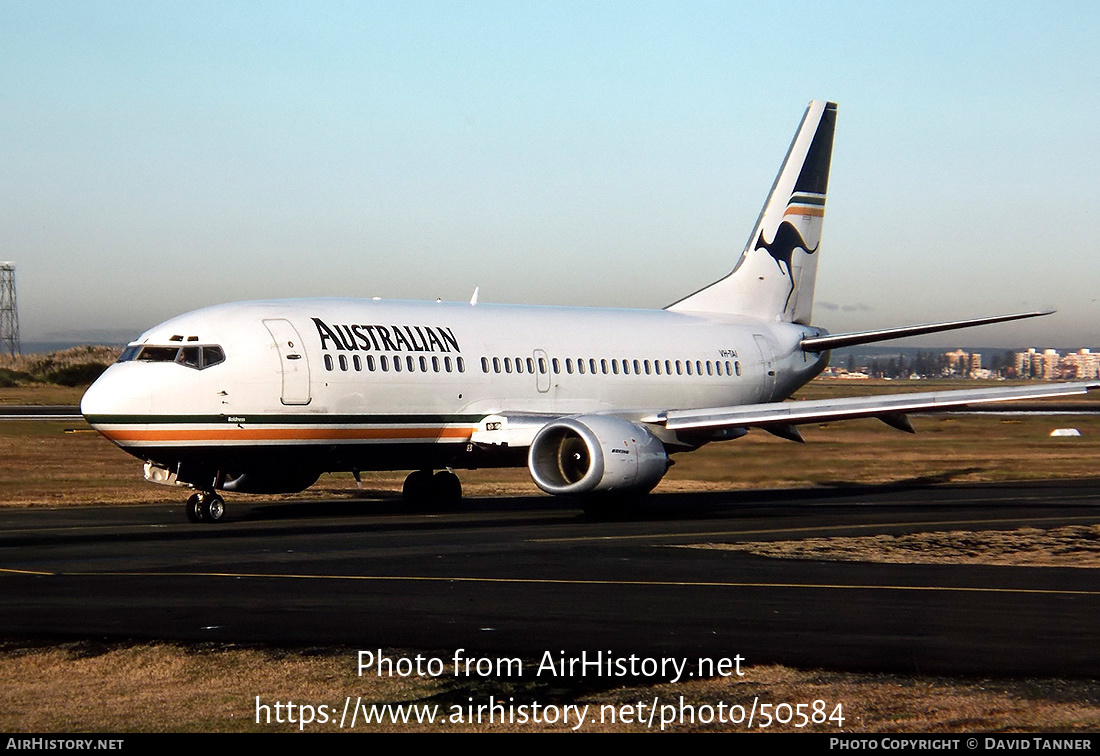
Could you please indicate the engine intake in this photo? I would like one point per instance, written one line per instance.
(594, 453)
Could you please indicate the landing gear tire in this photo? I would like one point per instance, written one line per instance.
(193, 508)
(447, 488)
(205, 507)
(213, 508)
(417, 488)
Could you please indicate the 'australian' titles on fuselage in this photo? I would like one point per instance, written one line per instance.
(381, 338)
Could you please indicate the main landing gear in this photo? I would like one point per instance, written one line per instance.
(423, 488)
(205, 506)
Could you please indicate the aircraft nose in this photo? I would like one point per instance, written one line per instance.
(114, 393)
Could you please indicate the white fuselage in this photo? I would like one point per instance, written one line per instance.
(368, 384)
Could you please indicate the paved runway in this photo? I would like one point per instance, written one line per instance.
(40, 412)
(521, 576)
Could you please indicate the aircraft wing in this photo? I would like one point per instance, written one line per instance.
(781, 417)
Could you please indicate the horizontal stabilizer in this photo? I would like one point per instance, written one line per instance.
(888, 407)
(824, 343)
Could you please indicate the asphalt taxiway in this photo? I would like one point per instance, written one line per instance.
(526, 575)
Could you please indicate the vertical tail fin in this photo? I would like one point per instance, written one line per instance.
(774, 278)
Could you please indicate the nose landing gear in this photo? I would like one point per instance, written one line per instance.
(205, 506)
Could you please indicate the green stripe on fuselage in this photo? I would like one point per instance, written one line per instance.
(246, 419)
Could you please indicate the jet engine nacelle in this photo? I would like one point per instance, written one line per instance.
(596, 454)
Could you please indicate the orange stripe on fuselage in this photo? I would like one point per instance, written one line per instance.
(285, 434)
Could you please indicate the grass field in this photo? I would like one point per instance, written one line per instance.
(136, 687)
(118, 686)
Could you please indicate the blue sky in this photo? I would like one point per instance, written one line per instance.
(159, 157)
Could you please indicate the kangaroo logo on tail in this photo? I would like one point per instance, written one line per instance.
(782, 247)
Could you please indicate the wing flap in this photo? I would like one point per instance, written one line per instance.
(882, 406)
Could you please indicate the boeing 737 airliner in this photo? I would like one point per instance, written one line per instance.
(263, 397)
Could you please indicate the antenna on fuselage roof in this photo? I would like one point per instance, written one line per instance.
(473, 299)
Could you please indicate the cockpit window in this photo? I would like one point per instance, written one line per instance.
(158, 354)
(212, 355)
(193, 356)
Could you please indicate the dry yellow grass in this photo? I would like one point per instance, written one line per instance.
(93, 687)
(40, 393)
(1071, 546)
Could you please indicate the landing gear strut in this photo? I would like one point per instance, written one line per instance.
(421, 487)
(205, 506)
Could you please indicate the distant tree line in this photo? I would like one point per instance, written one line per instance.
(78, 366)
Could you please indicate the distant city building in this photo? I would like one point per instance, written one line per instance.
(967, 364)
(1050, 364)
(1084, 364)
(958, 362)
(1030, 364)
(1037, 364)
